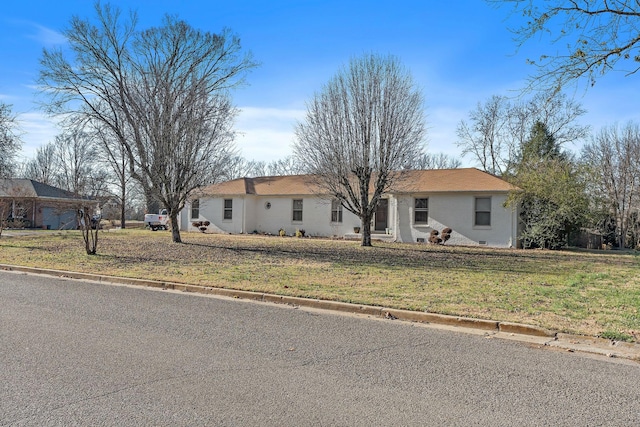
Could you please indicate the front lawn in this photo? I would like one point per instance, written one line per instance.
(576, 292)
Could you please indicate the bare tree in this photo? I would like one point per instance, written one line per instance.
(75, 155)
(434, 161)
(557, 112)
(240, 167)
(114, 156)
(10, 142)
(43, 167)
(485, 136)
(498, 128)
(591, 38)
(288, 165)
(163, 93)
(89, 224)
(359, 132)
(613, 156)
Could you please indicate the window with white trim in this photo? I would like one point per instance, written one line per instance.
(195, 209)
(297, 210)
(336, 211)
(421, 211)
(228, 209)
(482, 212)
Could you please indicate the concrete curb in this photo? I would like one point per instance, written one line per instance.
(391, 313)
(599, 346)
(517, 328)
(557, 340)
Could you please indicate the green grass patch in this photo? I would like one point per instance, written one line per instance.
(617, 336)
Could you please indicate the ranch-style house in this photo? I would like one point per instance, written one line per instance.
(469, 201)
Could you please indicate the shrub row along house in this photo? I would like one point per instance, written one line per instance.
(468, 201)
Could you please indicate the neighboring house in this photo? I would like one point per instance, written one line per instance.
(469, 201)
(27, 203)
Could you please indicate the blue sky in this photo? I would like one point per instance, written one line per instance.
(459, 53)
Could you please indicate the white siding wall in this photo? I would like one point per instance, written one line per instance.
(316, 217)
(445, 210)
(457, 212)
(212, 210)
(250, 214)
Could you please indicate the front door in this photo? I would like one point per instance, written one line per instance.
(382, 215)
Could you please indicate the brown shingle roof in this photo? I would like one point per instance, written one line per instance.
(415, 181)
(451, 180)
(264, 186)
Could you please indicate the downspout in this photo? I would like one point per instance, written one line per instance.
(396, 219)
(244, 215)
(513, 215)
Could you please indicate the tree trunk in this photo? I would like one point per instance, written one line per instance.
(123, 201)
(175, 230)
(89, 234)
(2, 218)
(366, 232)
(153, 205)
(122, 215)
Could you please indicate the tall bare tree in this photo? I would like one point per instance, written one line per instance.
(486, 138)
(163, 93)
(435, 161)
(10, 142)
(43, 167)
(114, 156)
(240, 167)
(590, 38)
(498, 128)
(360, 130)
(75, 157)
(288, 165)
(613, 156)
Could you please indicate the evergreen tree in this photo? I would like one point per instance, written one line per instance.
(551, 193)
(540, 146)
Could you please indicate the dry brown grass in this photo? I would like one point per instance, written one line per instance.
(576, 292)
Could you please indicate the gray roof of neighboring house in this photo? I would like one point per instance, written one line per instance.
(28, 188)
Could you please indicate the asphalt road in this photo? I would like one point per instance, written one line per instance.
(78, 353)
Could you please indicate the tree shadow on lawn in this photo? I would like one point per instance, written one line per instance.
(350, 255)
(398, 258)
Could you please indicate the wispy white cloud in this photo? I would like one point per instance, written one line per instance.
(263, 133)
(47, 36)
(6, 98)
(441, 129)
(38, 130)
(266, 133)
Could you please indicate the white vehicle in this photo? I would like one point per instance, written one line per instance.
(157, 221)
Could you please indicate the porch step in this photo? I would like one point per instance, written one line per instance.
(374, 236)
